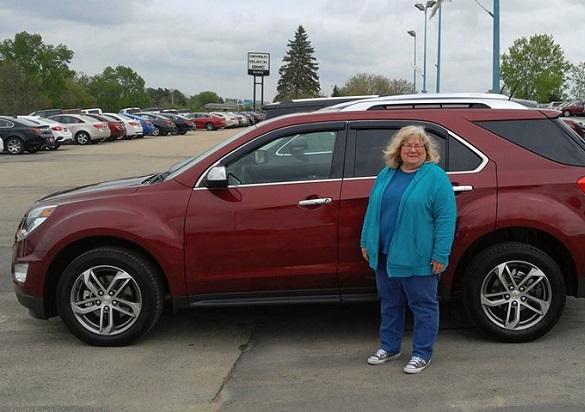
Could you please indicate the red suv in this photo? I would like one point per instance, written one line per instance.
(274, 214)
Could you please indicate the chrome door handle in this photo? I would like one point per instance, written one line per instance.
(463, 188)
(315, 202)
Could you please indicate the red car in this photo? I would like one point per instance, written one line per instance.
(274, 215)
(575, 108)
(207, 121)
(117, 129)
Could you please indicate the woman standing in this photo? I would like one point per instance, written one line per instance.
(406, 238)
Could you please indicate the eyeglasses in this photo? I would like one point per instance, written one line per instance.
(409, 146)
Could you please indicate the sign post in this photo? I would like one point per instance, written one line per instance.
(258, 66)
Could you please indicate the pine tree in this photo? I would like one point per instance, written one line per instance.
(298, 73)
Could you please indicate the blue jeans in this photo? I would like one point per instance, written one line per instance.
(420, 294)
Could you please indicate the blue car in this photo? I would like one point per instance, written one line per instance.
(147, 126)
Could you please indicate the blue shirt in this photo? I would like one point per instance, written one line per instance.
(389, 208)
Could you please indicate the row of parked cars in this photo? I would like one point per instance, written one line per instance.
(54, 127)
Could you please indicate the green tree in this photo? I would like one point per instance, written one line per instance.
(298, 73)
(118, 88)
(366, 84)
(335, 92)
(166, 98)
(45, 67)
(197, 102)
(19, 95)
(578, 81)
(78, 93)
(534, 68)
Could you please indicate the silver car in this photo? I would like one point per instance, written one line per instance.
(85, 129)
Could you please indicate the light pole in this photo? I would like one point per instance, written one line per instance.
(413, 34)
(438, 84)
(425, 7)
(496, 45)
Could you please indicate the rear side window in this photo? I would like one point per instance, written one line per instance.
(543, 137)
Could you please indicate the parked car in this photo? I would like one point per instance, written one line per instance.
(162, 125)
(20, 135)
(182, 123)
(231, 121)
(272, 110)
(85, 129)
(574, 108)
(133, 127)
(117, 128)
(274, 215)
(147, 126)
(577, 127)
(207, 121)
(61, 133)
(130, 110)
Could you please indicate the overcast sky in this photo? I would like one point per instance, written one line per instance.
(201, 45)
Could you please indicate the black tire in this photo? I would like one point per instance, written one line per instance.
(209, 126)
(182, 132)
(156, 131)
(82, 138)
(129, 303)
(175, 131)
(566, 113)
(514, 292)
(14, 146)
(54, 147)
(33, 149)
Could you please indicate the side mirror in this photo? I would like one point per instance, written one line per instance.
(216, 177)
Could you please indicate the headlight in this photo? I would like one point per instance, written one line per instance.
(33, 219)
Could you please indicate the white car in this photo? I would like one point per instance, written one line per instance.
(230, 120)
(85, 129)
(60, 131)
(133, 127)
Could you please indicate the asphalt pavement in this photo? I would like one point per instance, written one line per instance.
(283, 358)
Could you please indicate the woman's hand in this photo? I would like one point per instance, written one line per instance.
(437, 267)
(365, 254)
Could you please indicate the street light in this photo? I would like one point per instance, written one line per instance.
(425, 7)
(496, 44)
(438, 84)
(413, 34)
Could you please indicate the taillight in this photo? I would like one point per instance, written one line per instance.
(170, 123)
(57, 128)
(581, 184)
(37, 131)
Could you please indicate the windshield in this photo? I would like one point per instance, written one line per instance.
(178, 168)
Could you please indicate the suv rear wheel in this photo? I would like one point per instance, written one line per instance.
(110, 296)
(514, 292)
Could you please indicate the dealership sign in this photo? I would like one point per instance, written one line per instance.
(258, 64)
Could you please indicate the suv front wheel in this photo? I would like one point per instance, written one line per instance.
(514, 292)
(110, 296)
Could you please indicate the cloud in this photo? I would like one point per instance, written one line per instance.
(194, 46)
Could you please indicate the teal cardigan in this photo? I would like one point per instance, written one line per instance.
(425, 225)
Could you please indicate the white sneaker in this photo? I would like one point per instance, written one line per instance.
(416, 364)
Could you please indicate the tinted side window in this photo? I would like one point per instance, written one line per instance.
(543, 137)
(461, 158)
(296, 157)
(370, 144)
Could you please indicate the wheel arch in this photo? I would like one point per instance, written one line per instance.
(534, 237)
(75, 249)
